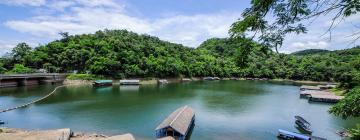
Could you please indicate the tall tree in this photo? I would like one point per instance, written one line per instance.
(20, 51)
(288, 18)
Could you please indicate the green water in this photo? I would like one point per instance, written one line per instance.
(229, 110)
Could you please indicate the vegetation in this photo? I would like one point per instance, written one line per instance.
(83, 77)
(20, 68)
(355, 132)
(309, 52)
(349, 106)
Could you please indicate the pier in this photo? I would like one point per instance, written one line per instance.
(14, 80)
(317, 94)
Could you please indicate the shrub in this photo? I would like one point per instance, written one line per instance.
(83, 77)
(20, 69)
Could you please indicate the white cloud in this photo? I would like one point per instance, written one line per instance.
(24, 2)
(88, 16)
(6, 46)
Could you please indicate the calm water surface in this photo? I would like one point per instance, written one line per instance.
(232, 110)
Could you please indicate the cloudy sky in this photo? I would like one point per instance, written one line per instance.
(188, 22)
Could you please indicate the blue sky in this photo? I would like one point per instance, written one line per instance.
(188, 22)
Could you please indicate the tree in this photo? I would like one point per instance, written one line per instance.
(289, 16)
(349, 106)
(20, 51)
(2, 69)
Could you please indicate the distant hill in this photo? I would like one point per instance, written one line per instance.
(310, 52)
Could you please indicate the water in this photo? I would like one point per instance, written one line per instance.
(229, 110)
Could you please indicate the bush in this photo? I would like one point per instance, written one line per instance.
(355, 132)
(20, 69)
(83, 77)
(349, 106)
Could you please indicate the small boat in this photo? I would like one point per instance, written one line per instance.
(99, 83)
(2, 122)
(129, 82)
(163, 81)
(216, 78)
(303, 124)
(208, 78)
(287, 135)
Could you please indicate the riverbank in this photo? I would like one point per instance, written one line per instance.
(58, 134)
(149, 81)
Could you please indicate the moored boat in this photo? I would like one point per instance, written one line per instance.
(129, 82)
(208, 78)
(303, 124)
(2, 122)
(99, 83)
(162, 81)
(177, 125)
(287, 135)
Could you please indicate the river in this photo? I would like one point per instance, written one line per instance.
(232, 110)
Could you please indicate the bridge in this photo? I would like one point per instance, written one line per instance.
(13, 80)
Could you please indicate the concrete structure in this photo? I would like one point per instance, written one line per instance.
(13, 80)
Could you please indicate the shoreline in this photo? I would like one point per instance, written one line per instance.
(152, 81)
(57, 134)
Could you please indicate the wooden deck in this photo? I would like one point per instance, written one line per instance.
(320, 96)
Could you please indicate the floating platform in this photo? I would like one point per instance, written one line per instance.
(310, 88)
(177, 125)
(99, 83)
(129, 82)
(325, 98)
(320, 96)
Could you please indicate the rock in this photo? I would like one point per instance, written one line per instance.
(59, 134)
(122, 137)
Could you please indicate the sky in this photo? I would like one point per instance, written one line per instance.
(188, 22)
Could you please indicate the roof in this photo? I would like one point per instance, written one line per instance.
(166, 138)
(129, 81)
(180, 120)
(103, 81)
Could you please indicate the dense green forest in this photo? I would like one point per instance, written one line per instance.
(120, 53)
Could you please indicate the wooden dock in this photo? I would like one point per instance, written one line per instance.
(320, 96)
(325, 98)
(310, 88)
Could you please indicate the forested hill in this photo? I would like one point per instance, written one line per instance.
(120, 53)
(310, 52)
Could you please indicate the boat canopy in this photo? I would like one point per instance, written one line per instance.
(103, 81)
(180, 120)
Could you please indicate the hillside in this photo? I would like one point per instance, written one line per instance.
(309, 52)
(120, 53)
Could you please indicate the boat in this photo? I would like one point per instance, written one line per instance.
(303, 124)
(129, 82)
(208, 78)
(2, 122)
(99, 83)
(216, 78)
(162, 81)
(287, 135)
(178, 124)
